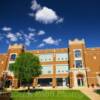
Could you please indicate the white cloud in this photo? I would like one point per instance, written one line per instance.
(44, 14)
(6, 29)
(31, 14)
(12, 37)
(41, 45)
(31, 35)
(18, 34)
(60, 20)
(35, 5)
(41, 32)
(27, 42)
(51, 41)
(31, 29)
(28, 38)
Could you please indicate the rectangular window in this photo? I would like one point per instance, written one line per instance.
(62, 68)
(47, 69)
(46, 57)
(78, 63)
(61, 56)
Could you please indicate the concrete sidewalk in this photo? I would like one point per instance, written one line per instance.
(90, 93)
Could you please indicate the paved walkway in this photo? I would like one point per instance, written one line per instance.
(90, 93)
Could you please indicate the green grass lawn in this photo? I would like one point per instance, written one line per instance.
(50, 95)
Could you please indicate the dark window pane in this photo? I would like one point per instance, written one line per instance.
(78, 64)
(13, 57)
(77, 53)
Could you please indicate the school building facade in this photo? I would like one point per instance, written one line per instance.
(75, 66)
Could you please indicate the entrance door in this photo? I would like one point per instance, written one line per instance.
(80, 80)
(59, 82)
(45, 82)
(62, 81)
(8, 83)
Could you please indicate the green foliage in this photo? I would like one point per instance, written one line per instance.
(26, 66)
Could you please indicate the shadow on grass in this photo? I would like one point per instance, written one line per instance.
(5, 95)
(31, 90)
(98, 91)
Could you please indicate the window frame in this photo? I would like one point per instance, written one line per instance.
(10, 58)
(79, 66)
(80, 53)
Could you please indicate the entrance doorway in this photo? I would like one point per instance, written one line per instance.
(80, 80)
(59, 82)
(8, 83)
(62, 81)
(45, 82)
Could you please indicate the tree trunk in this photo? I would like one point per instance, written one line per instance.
(28, 87)
(19, 83)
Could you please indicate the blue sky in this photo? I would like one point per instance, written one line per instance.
(42, 24)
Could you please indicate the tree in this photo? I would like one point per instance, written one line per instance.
(26, 67)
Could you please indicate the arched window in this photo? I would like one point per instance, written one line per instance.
(13, 57)
(77, 53)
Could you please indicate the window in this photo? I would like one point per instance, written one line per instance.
(61, 68)
(78, 63)
(59, 71)
(62, 58)
(77, 53)
(58, 58)
(49, 59)
(47, 69)
(13, 57)
(49, 72)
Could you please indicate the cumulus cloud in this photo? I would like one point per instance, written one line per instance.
(51, 41)
(41, 32)
(18, 34)
(6, 29)
(41, 45)
(44, 14)
(31, 29)
(31, 35)
(11, 37)
(35, 5)
(27, 42)
(60, 20)
(29, 38)
(31, 14)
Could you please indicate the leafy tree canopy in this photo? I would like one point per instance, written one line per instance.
(26, 66)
